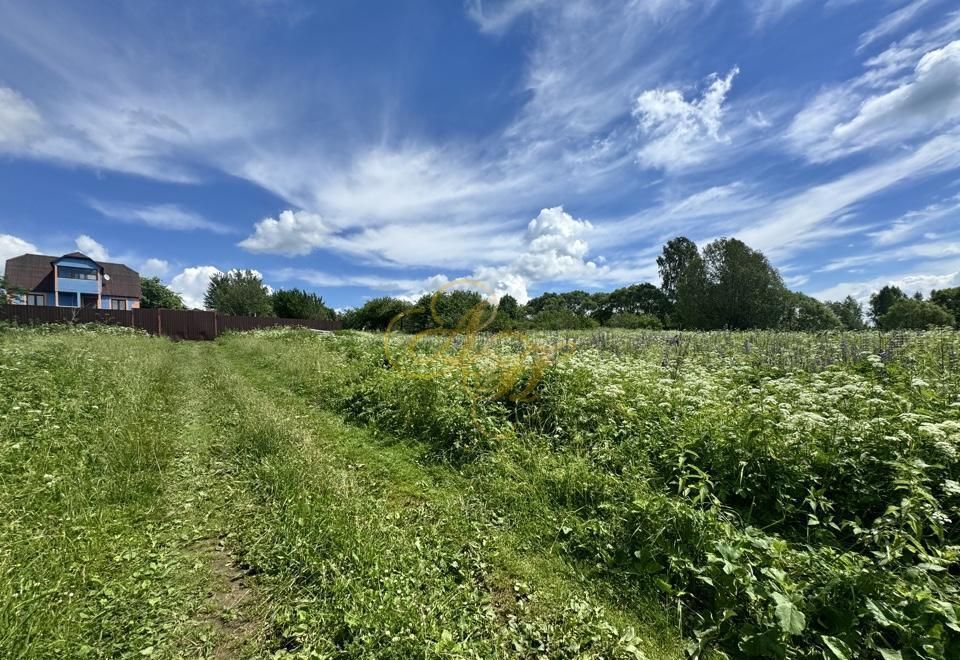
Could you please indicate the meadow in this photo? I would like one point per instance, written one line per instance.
(580, 495)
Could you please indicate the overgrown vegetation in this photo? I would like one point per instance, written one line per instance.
(584, 494)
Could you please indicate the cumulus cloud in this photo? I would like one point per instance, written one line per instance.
(292, 233)
(13, 246)
(843, 120)
(555, 250)
(92, 248)
(680, 132)
(191, 283)
(154, 267)
(20, 122)
(159, 216)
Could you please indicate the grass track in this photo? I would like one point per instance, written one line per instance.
(209, 507)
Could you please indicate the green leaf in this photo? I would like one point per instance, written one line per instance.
(890, 654)
(838, 647)
(791, 619)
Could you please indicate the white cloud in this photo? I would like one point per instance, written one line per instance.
(20, 122)
(293, 233)
(158, 216)
(843, 120)
(191, 283)
(894, 21)
(912, 222)
(910, 282)
(12, 246)
(92, 248)
(927, 252)
(154, 267)
(553, 249)
(496, 17)
(815, 214)
(768, 11)
(680, 132)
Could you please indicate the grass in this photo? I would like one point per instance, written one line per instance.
(142, 480)
(280, 494)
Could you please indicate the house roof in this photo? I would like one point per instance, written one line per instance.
(75, 255)
(34, 272)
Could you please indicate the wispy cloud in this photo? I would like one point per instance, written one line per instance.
(158, 216)
(894, 21)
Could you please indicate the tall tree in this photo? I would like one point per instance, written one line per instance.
(849, 311)
(910, 313)
(154, 294)
(949, 299)
(883, 300)
(743, 289)
(679, 255)
(299, 304)
(809, 314)
(239, 292)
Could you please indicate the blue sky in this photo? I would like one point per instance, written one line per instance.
(363, 148)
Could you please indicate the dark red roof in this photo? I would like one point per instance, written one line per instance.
(34, 272)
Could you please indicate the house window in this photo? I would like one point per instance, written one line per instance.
(118, 303)
(67, 299)
(71, 273)
(37, 299)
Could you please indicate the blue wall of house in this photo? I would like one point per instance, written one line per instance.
(78, 286)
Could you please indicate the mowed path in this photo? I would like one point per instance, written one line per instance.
(187, 500)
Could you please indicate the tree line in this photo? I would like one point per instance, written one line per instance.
(240, 293)
(725, 285)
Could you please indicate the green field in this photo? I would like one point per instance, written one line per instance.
(284, 494)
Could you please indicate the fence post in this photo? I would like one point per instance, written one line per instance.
(216, 325)
(159, 325)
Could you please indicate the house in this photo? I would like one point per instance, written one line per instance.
(73, 280)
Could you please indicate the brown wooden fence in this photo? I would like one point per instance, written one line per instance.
(174, 323)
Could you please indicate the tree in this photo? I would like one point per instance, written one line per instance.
(509, 314)
(809, 314)
(575, 302)
(450, 309)
(376, 314)
(636, 299)
(915, 314)
(299, 304)
(883, 300)
(239, 292)
(949, 299)
(154, 294)
(742, 289)
(679, 254)
(850, 313)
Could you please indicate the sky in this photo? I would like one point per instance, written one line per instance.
(359, 148)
